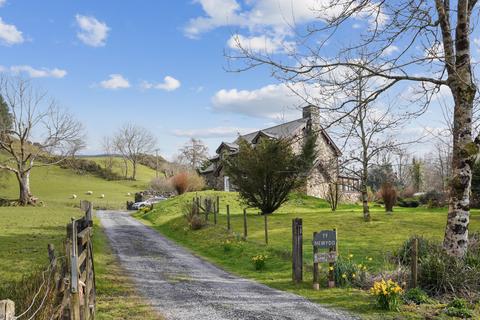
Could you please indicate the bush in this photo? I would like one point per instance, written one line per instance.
(259, 261)
(408, 203)
(195, 182)
(191, 214)
(440, 273)
(433, 199)
(387, 294)
(187, 181)
(162, 185)
(459, 308)
(416, 296)
(404, 255)
(389, 196)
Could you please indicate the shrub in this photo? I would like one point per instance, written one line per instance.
(162, 185)
(416, 296)
(440, 273)
(389, 196)
(408, 192)
(180, 182)
(408, 203)
(187, 181)
(433, 199)
(259, 261)
(191, 214)
(458, 308)
(387, 294)
(195, 182)
(404, 254)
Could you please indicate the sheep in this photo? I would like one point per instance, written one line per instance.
(129, 194)
(102, 196)
(89, 193)
(74, 196)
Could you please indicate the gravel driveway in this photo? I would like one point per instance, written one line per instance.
(182, 286)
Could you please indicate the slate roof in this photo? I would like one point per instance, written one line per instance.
(281, 131)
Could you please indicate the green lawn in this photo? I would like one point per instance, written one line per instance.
(375, 239)
(26, 231)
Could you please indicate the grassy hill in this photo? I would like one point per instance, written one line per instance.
(375, 240)
(26, 231)
(144, 173)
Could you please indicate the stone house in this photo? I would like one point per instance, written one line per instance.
(325, 168)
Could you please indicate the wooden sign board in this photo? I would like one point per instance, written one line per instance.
(325, 239)
(325, 257)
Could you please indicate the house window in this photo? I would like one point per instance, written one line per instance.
(226, 184)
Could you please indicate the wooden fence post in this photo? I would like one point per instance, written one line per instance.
(316, 280)
(266, 229)
(228, 218)
(297, 250)
(75, 296)
(7, 310)
(215, 211)
(414, 263)
(245, 231)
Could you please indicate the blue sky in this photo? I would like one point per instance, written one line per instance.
(159, 64)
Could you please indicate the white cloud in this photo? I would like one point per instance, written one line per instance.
(261, 43)
(9, 34)
(216, 132)
(92, 32)
(115, 81)
(275, 101)
(39, 73)
(169, 84)
(389, 50)
(272, 16)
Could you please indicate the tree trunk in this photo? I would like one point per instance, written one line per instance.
(464, 153)
(24, 185)
(125, 163)
(134, 170)
(366, 209)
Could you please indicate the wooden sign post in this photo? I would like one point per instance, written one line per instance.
(297, 250)
(325, 239)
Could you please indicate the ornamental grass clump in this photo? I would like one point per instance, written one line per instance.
(387, 294)
(259, 261)
(389, 196)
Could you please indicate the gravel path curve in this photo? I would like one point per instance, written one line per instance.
(182, 286)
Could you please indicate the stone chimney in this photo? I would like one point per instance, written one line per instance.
(312, 113)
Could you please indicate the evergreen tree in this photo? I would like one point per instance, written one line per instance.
(266, 172)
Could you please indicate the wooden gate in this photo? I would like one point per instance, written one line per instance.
(79, 252)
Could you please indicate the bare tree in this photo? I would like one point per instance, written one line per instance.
(108, 150)
(38, 128)
(133, 141)
(193, 153)
(421, 42)
(370, 133)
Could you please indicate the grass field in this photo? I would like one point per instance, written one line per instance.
(144, 174)
(26, 231)
(373, 240)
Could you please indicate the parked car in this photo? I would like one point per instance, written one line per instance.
(148, 202)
